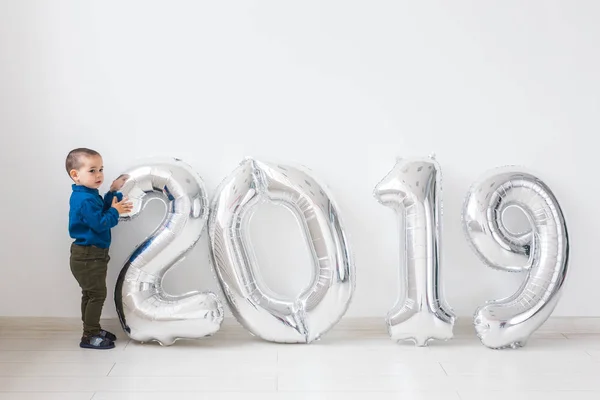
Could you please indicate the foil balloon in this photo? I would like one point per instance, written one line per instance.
(541, 252)
(413, 189)
(325, 300)
(146, 311)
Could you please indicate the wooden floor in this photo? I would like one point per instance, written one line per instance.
(43, 361)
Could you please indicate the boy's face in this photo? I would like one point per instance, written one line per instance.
(91, 173)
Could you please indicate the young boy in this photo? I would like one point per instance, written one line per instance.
(90, 221)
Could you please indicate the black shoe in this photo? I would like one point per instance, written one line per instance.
(108, 335)
(96, 342)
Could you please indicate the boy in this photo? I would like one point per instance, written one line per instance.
(90, 221)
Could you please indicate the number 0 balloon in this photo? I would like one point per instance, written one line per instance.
(146, 312)
(321, 305)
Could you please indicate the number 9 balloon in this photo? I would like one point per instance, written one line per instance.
(542, 252)
(146, 312)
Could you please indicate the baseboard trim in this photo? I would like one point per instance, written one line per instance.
(463, 324)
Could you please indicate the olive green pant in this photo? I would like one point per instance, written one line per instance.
(89, 265)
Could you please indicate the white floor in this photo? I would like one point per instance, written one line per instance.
(347, 364)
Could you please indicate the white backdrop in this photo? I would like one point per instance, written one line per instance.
(343, 87)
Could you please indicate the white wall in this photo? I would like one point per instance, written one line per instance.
(341, 86)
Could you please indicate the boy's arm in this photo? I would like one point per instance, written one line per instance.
(108, 198)
(97, 218)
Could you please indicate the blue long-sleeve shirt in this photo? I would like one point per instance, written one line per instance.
(91, 217)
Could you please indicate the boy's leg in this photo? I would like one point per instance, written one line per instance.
(78, 263)
(104, 333)
(97, 295)
(89, 266)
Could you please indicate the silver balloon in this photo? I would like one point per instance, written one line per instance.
(146, 312)
(320, 305)
(541, 251)
(413, 189)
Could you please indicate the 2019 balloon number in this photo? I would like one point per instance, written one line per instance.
(412, 189)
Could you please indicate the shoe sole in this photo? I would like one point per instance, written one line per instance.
(89, 346)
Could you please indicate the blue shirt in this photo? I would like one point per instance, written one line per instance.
(91, 217)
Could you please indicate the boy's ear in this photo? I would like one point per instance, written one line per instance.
(73, 174)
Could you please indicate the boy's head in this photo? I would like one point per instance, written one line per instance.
(85, 167)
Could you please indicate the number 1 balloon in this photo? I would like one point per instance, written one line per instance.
(413, 188)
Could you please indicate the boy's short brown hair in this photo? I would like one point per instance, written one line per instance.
(74, 157)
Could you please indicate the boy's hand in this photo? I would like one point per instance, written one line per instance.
(118, 183)
(123, 207)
